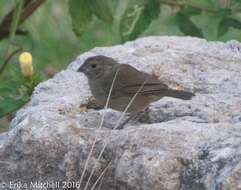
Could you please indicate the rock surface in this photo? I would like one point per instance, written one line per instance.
(187, 145)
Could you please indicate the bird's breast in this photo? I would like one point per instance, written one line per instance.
(98, 92)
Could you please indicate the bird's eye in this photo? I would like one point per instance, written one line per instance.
(93, 66)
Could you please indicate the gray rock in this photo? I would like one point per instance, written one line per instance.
(177, 144)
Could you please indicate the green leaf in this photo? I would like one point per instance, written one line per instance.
(30, 84)
(187, 26)
(80, 14)
(226, 23)
(223, 12)
(136, 19)
(190, 10)
(101, 9)
(9, 105)
(236, 5)
(16, 92)
(9, 87)
(13, 95)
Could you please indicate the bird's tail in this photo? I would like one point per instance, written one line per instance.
(179, 94)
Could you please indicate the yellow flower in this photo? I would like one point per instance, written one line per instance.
(25, 60)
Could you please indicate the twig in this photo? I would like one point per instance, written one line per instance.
(8, 59)
(29, 7)
(7, 20)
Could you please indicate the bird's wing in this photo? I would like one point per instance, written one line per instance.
(129, 80)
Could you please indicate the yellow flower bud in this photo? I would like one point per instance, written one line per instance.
(25, 60)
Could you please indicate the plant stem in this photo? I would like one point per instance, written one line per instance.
(13, 28)
(16, 17)
(9, 58)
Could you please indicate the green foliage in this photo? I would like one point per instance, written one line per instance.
(82, 11)
(81, 15)
(190, 11)
(101, 9)
(226, 23)
(16, 17)
(137, 18)
(210, 19)
(10, 104)
(14, 93)
(187, 26)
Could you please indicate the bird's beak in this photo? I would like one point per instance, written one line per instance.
(80, 69)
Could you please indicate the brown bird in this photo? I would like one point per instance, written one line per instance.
(101, 70)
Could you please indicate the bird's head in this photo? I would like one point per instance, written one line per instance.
(97, 66)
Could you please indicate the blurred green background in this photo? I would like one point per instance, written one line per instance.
(58, 31)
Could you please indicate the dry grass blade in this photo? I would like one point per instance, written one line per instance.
(117, 124)
(101, 123)
(100, 177)
(100, 184)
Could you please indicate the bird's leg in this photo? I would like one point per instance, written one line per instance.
(121, 126)
(134, 116)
